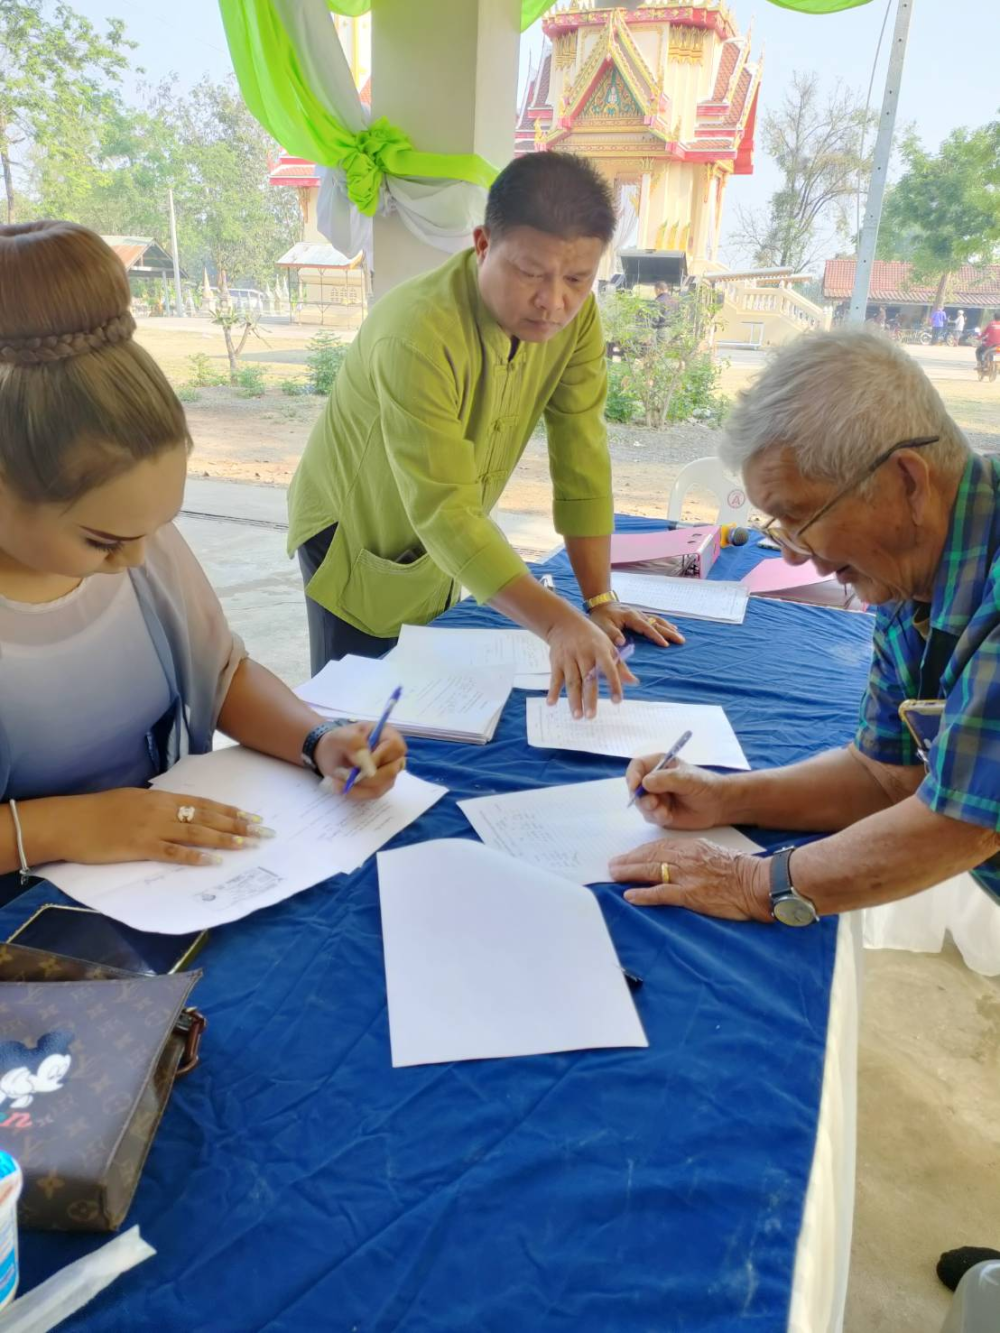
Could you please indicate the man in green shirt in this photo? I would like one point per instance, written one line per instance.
(434, 405)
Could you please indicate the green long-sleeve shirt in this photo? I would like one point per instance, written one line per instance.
(426, 422)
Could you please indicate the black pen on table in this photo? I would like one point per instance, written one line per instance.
(672, 753)
(374, 738)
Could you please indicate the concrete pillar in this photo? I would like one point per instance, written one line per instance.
(445, 72)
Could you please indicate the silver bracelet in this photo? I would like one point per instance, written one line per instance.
(25, 871)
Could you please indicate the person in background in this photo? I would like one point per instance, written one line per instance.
(990, 337)
(960, 324)
(389, 509)
(117, 659)
(939, 322)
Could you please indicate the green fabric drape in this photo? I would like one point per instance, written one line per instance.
(819, 6)
(352, 9)
(276, 91)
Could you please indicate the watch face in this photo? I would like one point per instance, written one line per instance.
(794, 912)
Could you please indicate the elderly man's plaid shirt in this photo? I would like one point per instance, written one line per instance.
(963, 778)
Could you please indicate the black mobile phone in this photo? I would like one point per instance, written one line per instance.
(79, 932)
(922, 718)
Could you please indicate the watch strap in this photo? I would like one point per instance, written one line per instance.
(781, 875)
(314, 738)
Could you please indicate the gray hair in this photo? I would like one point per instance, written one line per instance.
(838, 398)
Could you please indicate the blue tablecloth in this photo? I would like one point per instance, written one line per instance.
(298, 1182)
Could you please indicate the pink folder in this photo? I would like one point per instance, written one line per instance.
(776, 576)
(628, 548)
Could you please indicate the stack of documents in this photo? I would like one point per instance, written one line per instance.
(437, 703)
(317, 835)
(699, 599)
(635, 727)
(486, 956)
(575, 830)
(517, 648)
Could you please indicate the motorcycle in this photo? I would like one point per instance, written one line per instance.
(970, 337)
(986, 365)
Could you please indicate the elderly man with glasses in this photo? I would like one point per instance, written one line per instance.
(845, 441)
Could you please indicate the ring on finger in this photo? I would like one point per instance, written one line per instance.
(664, 872)
(185, 814)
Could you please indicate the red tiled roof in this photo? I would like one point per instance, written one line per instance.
(739, 98)
(970, 287)
(730, 54)
(293, 171)
(541, 97)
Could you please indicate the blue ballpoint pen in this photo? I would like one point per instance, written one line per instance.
(373, 739)
(672, 753)
(621, 654)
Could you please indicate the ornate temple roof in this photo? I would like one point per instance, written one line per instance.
(615, 83)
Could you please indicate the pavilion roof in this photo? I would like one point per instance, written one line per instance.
(971, 287)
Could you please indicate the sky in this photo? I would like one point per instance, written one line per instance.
(952, 74)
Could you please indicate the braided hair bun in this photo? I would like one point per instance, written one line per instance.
(63, 293)
(80, 400)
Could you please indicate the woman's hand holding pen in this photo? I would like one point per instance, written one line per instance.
(347, 747)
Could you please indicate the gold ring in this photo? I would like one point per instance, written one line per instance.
(664, 873)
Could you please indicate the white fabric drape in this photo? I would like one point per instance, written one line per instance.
(442, 213)
(919, 924)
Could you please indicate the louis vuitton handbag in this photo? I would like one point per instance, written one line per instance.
(88, 1058)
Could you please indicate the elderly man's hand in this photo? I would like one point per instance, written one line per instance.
(702, 877)
(679, 796)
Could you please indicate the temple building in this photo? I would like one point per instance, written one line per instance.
(663, 98)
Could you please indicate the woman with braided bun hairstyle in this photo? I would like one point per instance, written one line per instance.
(115, 655)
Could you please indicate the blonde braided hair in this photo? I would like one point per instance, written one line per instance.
(58, 346)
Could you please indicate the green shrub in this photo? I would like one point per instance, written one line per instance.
(293, 388)
(250, 382)
(188, 393)
(697, 397)
(622, 402)
(326, 356)
(203, 371)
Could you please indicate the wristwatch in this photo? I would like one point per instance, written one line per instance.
(788, 905)
(314, 738)
(602, 599)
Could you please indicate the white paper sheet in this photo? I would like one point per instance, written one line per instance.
(575, 830)
(318, 835)
(486, 956)
(458, 705)
(699, 599)
(517, 648)
(637, 727)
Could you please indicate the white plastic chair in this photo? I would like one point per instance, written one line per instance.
(708, 474)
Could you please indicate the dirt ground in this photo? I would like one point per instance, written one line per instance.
(261, 439)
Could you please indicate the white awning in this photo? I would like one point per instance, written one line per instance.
(314, 254)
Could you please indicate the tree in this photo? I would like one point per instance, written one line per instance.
(944, 211)
(58, 75)
(816, 143)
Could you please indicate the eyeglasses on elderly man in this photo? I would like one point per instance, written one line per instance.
(792, 540)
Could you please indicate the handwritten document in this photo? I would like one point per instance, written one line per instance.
(318, 835)
(486, 956)
(575, 830)
(441, 703)
(525, 652)
(636, 727)
(700, 599)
